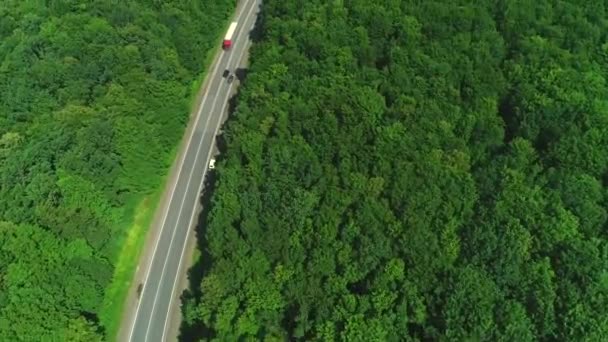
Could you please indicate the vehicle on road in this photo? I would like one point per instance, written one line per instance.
(228, 76)
(156, 313)
(140, 287)
(228, 38)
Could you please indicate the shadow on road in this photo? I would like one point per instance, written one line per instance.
(257, 33)
(196, 273)
(197, 330)
(202, 265)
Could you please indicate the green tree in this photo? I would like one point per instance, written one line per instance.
(408, 171)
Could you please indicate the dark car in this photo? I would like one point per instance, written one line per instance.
(140, 287)
(226, 73)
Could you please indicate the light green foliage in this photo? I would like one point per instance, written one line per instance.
(93, 99)
(414, 170)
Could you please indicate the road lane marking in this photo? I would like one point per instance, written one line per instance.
(200, 188)
(179, 211)
(204, 99)
(184, 198)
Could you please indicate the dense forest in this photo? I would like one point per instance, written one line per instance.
(94, 98)
(414, 171)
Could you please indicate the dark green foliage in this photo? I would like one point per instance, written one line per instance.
(415, 170)
(93, 99)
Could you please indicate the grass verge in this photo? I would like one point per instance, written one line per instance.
(196, 256)
(116, 293)
(115, 296)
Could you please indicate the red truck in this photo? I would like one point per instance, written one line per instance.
(228, 38)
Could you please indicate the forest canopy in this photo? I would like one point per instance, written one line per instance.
(94, 97)
(414, 170)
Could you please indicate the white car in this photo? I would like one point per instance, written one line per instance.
(212, 164)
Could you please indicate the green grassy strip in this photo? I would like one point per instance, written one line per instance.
(115, 297)
(116, 293)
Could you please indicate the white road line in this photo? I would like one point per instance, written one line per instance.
(184, 200)
(181, 206)
(204, 99)
(200, 188)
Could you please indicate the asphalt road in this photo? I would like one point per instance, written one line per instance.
(151, 319)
